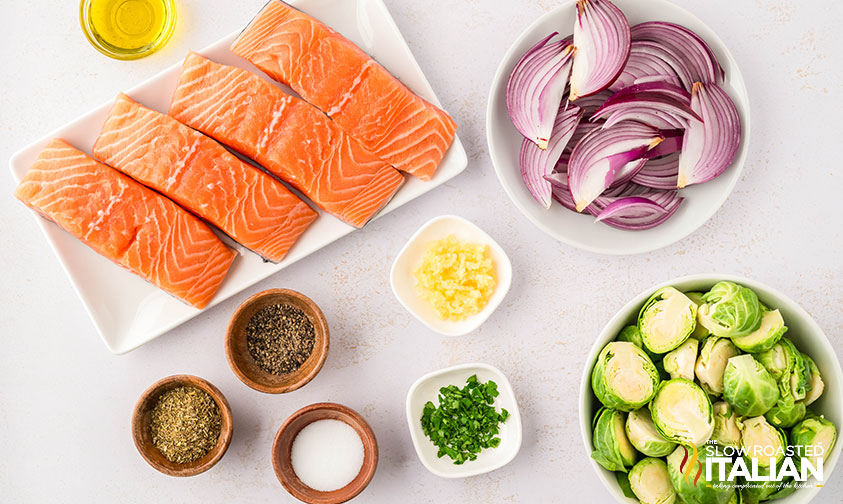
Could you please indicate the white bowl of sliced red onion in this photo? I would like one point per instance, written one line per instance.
(619, 126)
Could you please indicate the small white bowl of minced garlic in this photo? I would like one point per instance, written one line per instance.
(451, 275)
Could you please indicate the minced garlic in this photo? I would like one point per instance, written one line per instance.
(456, 278)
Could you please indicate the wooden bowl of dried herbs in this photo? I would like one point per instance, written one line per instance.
(277, 341)
(182, 425)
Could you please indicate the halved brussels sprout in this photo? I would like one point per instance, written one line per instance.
(708, 489)
(726, 430)
(666, 320)
(711, 364)
(624, 378)
(682, 412)
(787, 412)
(650, 482)
(679, 362)
(643, 435)
(813, 437)
(612, 449)
(816, 382)
(787, 365)
(633, 335)
(700, 332)
(771, 331)
(748, 387)
(762, 442)
(730, 310)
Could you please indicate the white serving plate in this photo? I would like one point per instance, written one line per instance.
(803, 331)
(128, 312)
(427, 388)
(701, 200)
(403, 281)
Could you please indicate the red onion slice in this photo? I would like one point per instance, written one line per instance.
(684, 50)
(536, 86)
(602, 39)
(631, 206)
(601, 154)
(659, 173)
(638, 212)
(644, 66)
(709, 147)
(537, 163)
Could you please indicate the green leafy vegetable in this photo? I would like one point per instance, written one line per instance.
(465, 422)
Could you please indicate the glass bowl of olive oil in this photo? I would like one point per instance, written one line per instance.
(127, 29)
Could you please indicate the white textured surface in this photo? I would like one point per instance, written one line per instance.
(65, 400)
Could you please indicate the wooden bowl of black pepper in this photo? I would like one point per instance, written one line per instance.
(182, 425)
(277, 341)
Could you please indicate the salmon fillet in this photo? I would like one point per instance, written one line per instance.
(288, 136)
(124, 221)
(203, 177)
(360, 95)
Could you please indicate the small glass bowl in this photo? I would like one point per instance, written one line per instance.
(120, 53)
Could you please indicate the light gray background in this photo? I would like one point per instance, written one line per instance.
(65, 400)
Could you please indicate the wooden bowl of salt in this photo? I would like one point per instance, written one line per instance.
(325, 453)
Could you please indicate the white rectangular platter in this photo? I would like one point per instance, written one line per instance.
(128, 312)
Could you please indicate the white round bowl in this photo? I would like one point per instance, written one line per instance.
(701, 200)
(802, 330)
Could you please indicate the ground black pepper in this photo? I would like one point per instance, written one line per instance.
(185, 424)
(280, 338)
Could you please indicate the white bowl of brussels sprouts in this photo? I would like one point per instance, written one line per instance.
(711, 367)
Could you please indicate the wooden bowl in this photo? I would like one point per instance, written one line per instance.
(237, 349)
(283, 444)
(143, 438)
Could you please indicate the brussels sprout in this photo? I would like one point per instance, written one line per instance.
(679, 362)
(761, 441)
(643, 435)
(771, 331)
(788, 366)
(708, 489)
(682, 412)
(726, 430)
(748, 387)
(666, 320)
(816, 382)
(650, 482)
(700, 332)
(753, 492)
(624, 378)
(612, 449)
(711, 364)
(633, 335)
(786, 413)
(813, 437)
(730, 310)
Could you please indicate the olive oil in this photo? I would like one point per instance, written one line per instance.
(128, 29)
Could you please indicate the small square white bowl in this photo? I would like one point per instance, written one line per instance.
(427, 388)
(403, 282)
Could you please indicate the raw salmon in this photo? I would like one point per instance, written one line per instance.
(360, 95)
(203, 177)
(124, 221)
(288, 136)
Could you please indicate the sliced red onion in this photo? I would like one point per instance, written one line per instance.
(659, 173)
(628, 171)
(537, 163)
(590, 104)
(602, 39)
(559, 190)
(629, 212)
(709, 147)
(582, 130)
(598, 158)
(660, 87)
(535, 88)
(687, 53)
(644, 66)
(672, 143)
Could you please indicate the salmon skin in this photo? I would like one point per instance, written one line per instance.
(360, 95)
(124, 221)
(199, 174)
(288, 136)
